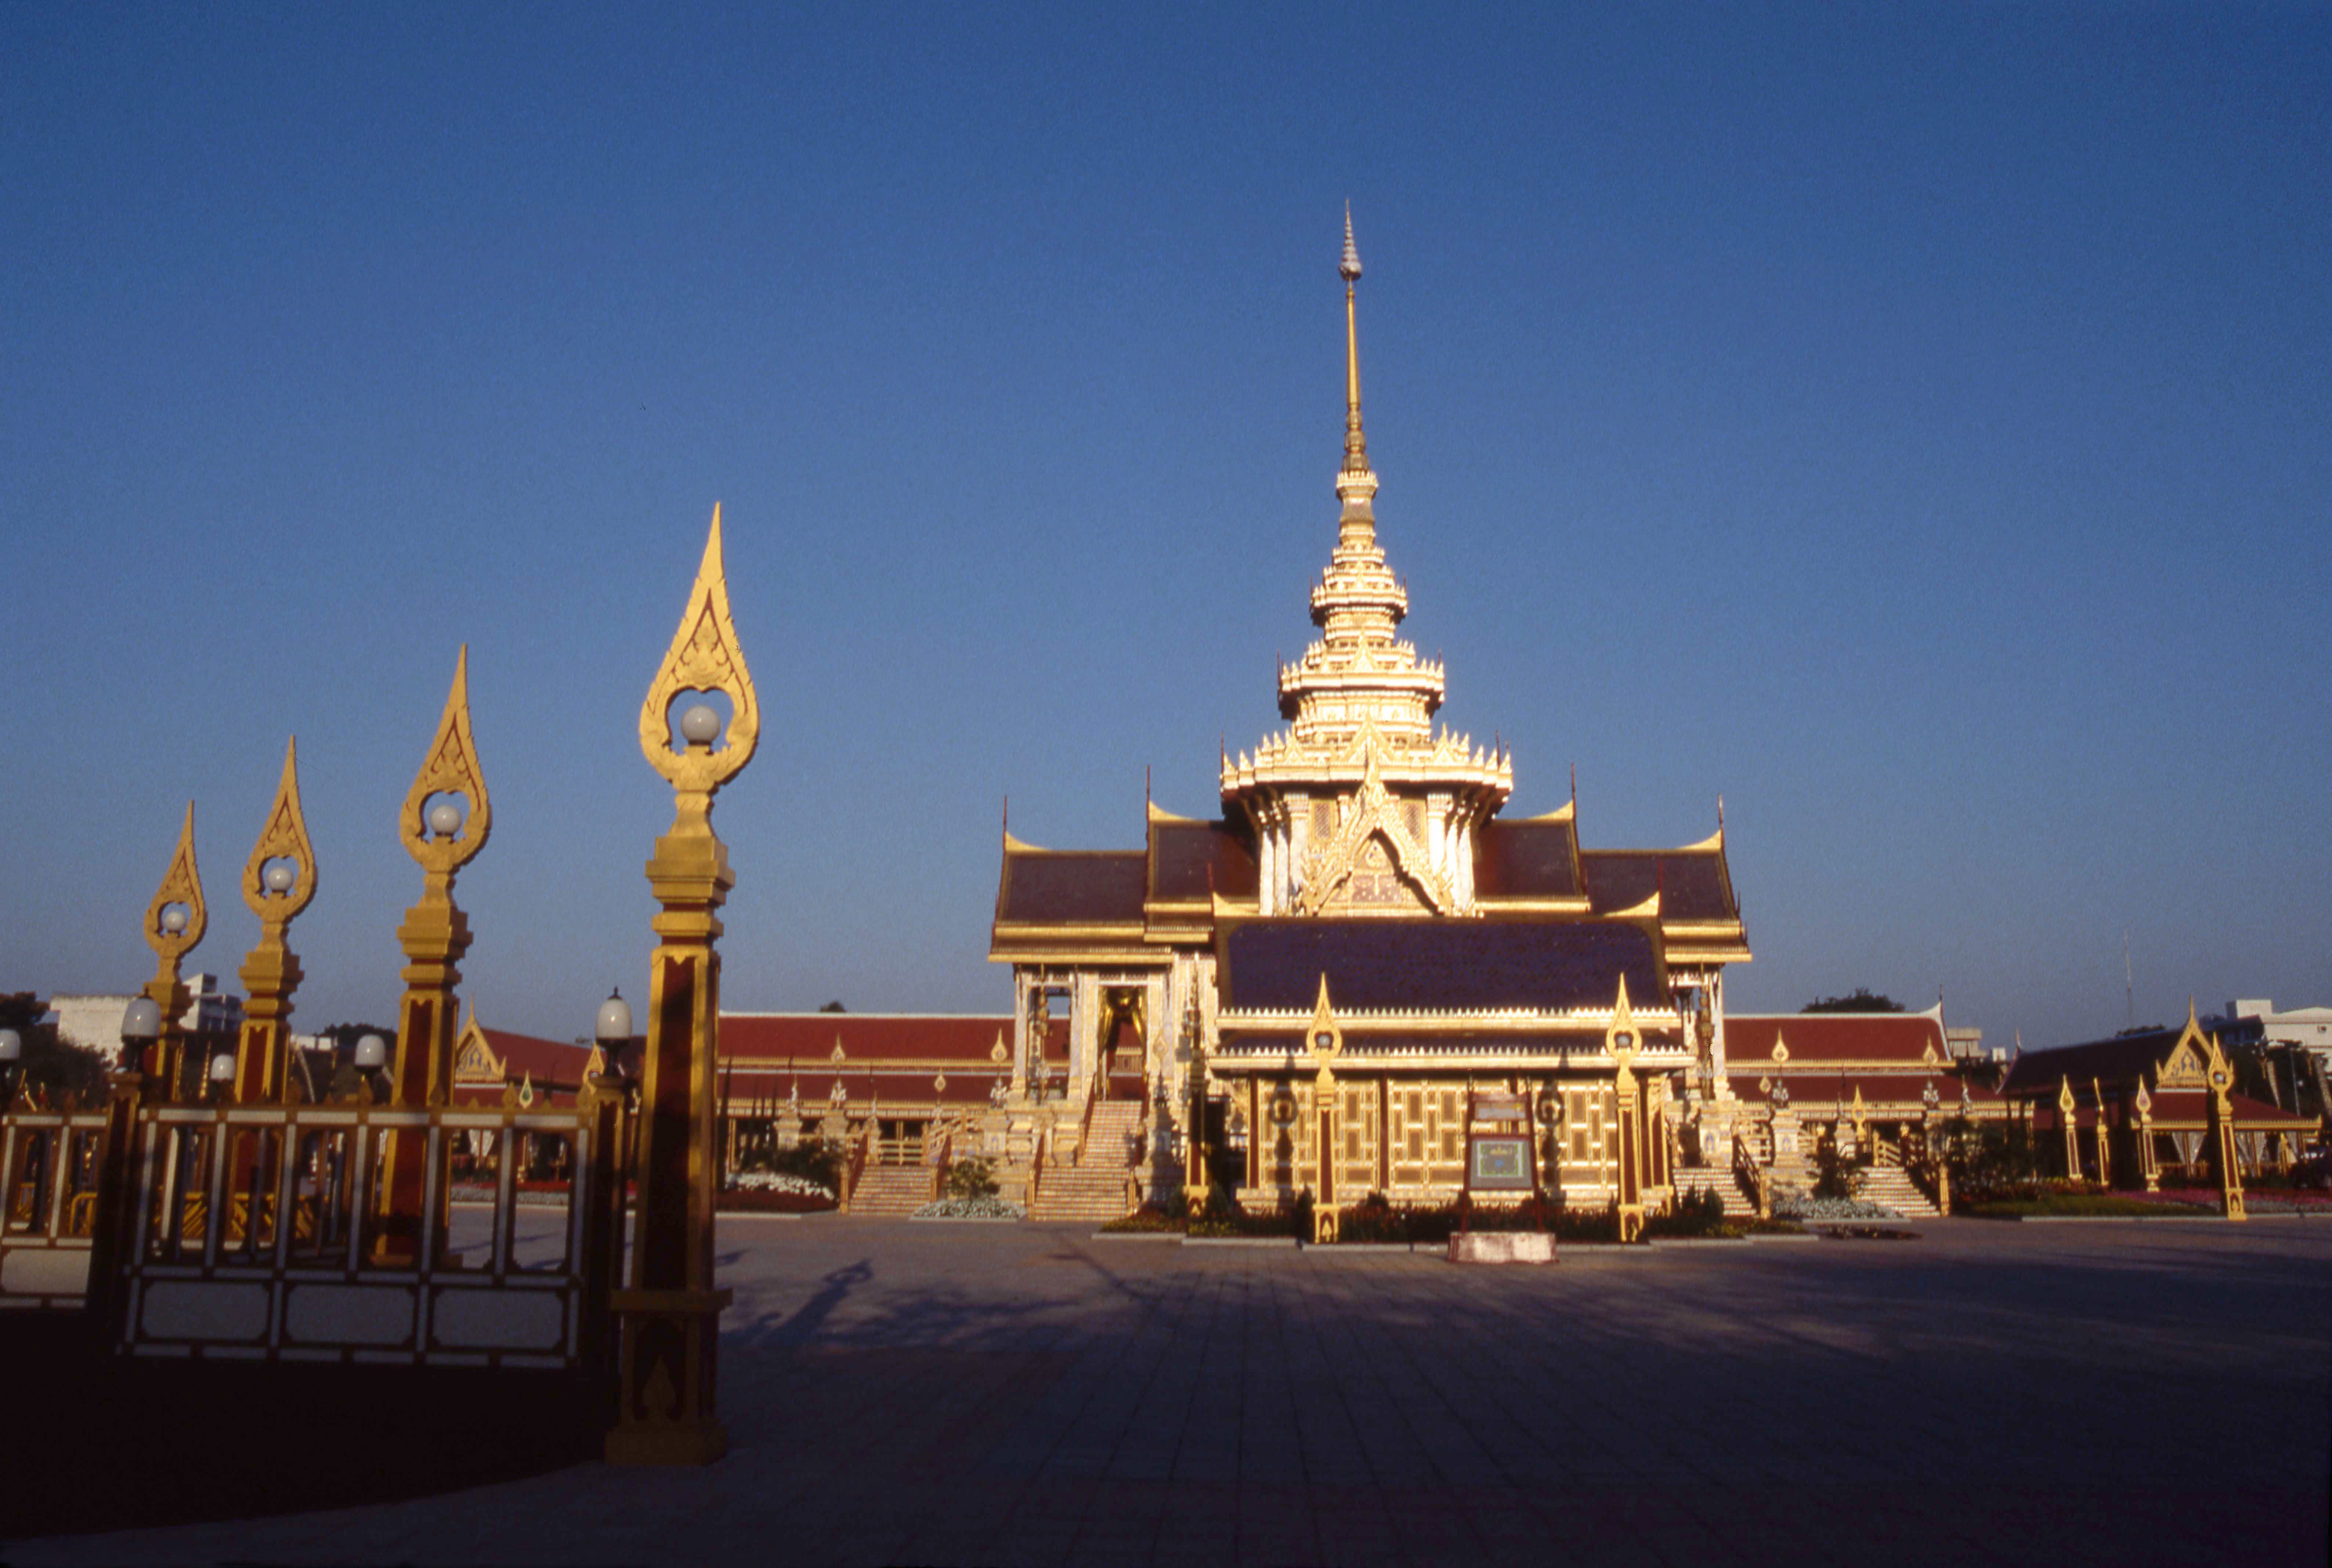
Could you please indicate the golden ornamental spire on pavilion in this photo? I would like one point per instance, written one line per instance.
(1360, 773)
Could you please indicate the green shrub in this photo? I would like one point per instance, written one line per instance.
(969, 1178)
(1696, 1215)
(813, 1157)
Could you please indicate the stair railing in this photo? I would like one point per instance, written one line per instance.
(1753, 1176)
(862, 1152)
(937, 1155)
(1042, 1151)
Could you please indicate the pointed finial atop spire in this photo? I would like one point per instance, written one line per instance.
(1355, 484)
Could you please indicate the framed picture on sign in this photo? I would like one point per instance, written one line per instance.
(1500, 1164)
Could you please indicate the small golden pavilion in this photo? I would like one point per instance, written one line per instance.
(1322, 982)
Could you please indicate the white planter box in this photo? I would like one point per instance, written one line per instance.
(1502, 1246)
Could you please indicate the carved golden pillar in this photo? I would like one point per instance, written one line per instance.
(2147, 1166)
(2105, 1153)
(1326, 1040)
(1194, 1140)
(278, 881)
(670, 1316)
(2068, 1124)
(443, 824)
(2223, 1135)
(174, 923)
(1627, 1103)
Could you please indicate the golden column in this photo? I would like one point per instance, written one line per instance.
(443, 823)
(2105, 1153)
(1326, 1040)
(2223, 1132)
(2147, 1166)
(670, 1317)
(2066, 1119)
(1620, 1040)
(278, 881)
(174, 923)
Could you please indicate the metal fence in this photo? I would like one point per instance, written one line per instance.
(334, 1233)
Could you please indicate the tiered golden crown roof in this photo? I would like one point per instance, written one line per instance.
(1359, 691)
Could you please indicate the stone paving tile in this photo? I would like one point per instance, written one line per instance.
(901, 1393)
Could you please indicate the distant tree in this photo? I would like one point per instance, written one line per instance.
(1860, 1000)
(834, 1007)
(54, 1064)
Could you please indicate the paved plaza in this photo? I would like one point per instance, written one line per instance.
(896, 1393)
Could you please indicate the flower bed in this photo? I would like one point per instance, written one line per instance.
(1798, 1206)
(1376, 1221)
(1148, 1220)
(775, 1192)
(971, 1208)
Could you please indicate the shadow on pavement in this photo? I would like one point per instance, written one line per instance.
(105, 1442)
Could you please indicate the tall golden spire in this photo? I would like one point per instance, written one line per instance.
(1355, 482)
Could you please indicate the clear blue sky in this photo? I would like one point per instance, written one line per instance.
(1909, 423)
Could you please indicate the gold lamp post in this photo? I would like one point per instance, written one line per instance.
(670, 1315)
(2223, 1152)
(443, 824)
(174, 923)
(278, 882)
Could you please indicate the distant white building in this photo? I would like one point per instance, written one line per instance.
(95, 1021)
(2253, 1021)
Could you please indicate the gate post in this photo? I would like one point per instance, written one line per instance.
(278, 882)
(670, 1316)
(174, 923)
(441, 838)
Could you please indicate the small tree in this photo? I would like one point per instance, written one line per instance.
(1860, 1000)
(971, 1179)
(52, 1066)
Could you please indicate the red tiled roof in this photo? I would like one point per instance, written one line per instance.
(867, 1038)
(745, 1087)
(2118, 1060)
(551, 1063)
(1813, 1037)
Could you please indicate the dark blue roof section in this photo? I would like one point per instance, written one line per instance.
(1526, 859)
(1438, 965)
(1072, 887)
(1192, 860)
(1693, 884)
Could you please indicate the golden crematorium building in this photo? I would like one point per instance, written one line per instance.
(1360, 953)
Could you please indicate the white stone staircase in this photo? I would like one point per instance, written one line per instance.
(891, 1192)
(1093, 1188)
(1892, 1185)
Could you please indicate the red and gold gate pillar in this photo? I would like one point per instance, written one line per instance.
(443, 823)
(670, 1316)
(278, 881)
